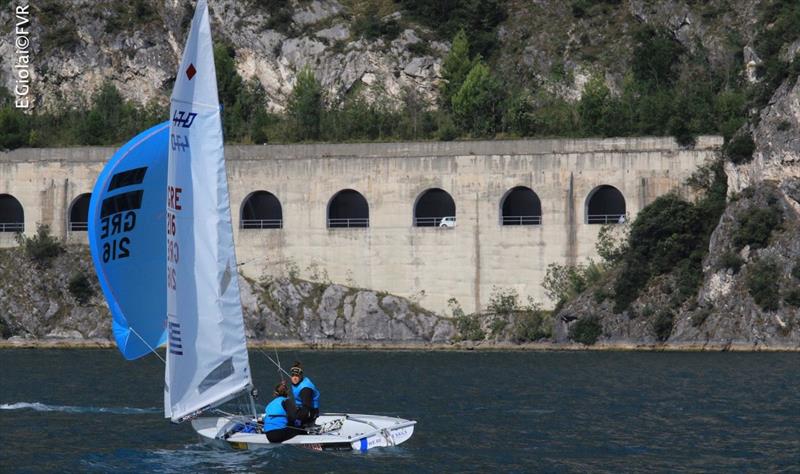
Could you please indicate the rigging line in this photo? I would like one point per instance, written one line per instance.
(148, 345)
(277, 357)
(271, 360)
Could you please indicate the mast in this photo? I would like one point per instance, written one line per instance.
(206, 351)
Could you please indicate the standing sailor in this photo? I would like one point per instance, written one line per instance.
(306, 396)
(276, 416)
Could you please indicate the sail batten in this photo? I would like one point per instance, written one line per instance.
(207, 355)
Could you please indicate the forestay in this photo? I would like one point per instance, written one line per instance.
(207, 355)
(126, 222)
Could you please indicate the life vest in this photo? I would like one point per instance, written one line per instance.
(305, 383)
(275, 416)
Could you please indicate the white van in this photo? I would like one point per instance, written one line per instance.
(449, 221)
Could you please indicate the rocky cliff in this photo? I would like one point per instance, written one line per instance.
(76, 45)
(750, 289)
(48, 300)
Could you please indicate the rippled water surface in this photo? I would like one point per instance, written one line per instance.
(91, 411)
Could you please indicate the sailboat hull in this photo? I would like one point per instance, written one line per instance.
(342, 432)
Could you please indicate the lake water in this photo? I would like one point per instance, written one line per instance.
(91, 411)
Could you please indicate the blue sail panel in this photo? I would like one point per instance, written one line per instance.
(127, 225)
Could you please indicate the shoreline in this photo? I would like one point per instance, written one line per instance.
(427, 346)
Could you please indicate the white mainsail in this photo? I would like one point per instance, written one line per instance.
(207, 354)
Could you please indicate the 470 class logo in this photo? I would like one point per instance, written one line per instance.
(183, 119)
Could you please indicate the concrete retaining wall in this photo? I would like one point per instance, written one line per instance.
(428, 264)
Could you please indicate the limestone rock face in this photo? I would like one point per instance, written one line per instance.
(77, 45)
(36, 303)
(777, 155)
(289, 309)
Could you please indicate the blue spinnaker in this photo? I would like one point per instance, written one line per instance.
(127, 225)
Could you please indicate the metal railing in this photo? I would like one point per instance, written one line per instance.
(522, 220)
(75, 226)
(339, 223)
(606, 219)
(435, 222)
(12, 226)
(262, 224)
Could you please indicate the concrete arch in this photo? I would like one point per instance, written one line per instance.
(79, 213)
(347, 208)
(261, 210)
(520, 205)
(605, 204)
(431, 208)
(12, 215)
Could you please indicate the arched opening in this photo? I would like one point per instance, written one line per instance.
(12, 216)
(348, 208)
(605, 205)
(79, 213)
(261, 210)
(521, 206)
(435, 208)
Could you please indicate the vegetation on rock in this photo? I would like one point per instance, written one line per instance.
(586, 330)
(42, 247)
(658, 86)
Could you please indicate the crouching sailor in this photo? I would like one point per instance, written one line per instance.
(276, 417)
(306, 396)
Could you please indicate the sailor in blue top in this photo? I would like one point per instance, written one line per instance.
(279, 416)
(306, 396)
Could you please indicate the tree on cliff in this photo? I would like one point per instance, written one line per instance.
(455, 68)
(305, 107)
(476, 105)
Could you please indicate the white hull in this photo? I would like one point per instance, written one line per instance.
(349, 432)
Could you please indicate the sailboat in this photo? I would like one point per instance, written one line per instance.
(184, 293)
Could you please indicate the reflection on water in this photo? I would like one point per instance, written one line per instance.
(508, 412)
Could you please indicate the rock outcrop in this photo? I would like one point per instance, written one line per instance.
(36, 303)
(77, 45)
(730, 308)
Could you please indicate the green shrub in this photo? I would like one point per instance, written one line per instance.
(468, 326)
(655, 58)
(792, 297)
(5, 329)
(756, 225)
(672, 235)
(497, 326)
(42, 247)
(601, 294)
(503, 301)
(739, 149)
(80, 286)
(533, 324)
(664, 233)
(586, 331)
(731, 260)
(762, 284)
(663, 325)
(371, 26)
